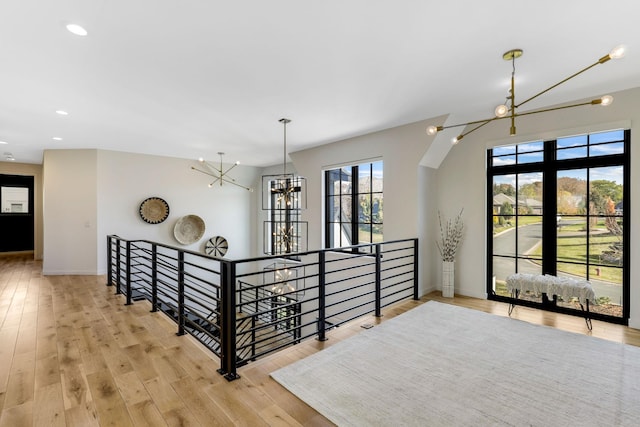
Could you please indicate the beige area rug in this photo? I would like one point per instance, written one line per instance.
(442, 365)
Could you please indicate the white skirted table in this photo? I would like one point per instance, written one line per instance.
(564, 287)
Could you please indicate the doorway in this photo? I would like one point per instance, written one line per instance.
(16, 213)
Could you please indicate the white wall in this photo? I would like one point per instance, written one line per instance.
(90, 194)
(70, 220)
(427, 233)
(401, 149)
(461, 180)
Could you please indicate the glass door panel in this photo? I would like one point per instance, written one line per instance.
(502, 268)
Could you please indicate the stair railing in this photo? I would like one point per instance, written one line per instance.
(204, 295)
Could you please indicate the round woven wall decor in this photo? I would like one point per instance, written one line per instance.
(154, 210)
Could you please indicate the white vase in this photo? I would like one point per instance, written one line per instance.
(447, 278)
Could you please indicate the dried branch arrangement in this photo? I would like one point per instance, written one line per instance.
(450, 237)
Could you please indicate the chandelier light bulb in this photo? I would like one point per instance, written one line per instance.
(432, 130)
(617, 52)
(501, 110)
(606, 100)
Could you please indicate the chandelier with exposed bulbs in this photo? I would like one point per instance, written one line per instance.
(509, 110)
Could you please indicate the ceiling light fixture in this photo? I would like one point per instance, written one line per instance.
(3, 142)
(77, 30)
(284, 196)
(509, 108)
(219, 174)
(57, 138)
(62, 112)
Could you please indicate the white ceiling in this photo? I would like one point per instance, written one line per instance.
(190, 78)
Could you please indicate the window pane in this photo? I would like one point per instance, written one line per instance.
(577, 271)
(377, 176)
(376, 208)
(605, 190)
(529, 266)
(364, 233)
(504, 242)
(607, 285)
(333, 208)
(345, 209)
(571, 153)
(605, 241)
(502, 268)
(530, 194)
(610, 136)
(509, 149)
(530, 146)
(606, 149)
(530, 237)
(572, 240)
(571, 192)
(572, 141)
(364, 178)
(377, 233)
(504, 160)
(530, 157)
(364, 208)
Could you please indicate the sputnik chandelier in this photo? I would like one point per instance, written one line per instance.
(218, 173)
(509, 110)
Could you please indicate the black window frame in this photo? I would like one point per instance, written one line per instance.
(352, 173)
(549, 167)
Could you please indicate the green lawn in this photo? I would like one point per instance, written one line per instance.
(522, 220)
(572, 248)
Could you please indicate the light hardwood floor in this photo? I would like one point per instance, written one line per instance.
(72, 354)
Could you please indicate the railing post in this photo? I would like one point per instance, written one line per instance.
(415, 270)
(154, 278)
(228, 321)
(180, 293)
(109, 263)
(128, 273)
(378, 302)
(321, 297)
(118, 269)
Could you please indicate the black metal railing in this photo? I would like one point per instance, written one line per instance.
(245, 309)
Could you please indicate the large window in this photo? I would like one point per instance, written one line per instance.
(557, 207)
(353, 208)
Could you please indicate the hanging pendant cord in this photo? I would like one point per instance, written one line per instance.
(284, 156)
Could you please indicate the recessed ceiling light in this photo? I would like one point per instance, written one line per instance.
(57, 138)
(62, 112)
(3, 142)
(76, 29)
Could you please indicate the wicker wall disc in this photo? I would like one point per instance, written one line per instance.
(216, 246)
(154, 210)
(189, 229)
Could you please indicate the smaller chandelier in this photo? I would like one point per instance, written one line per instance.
(285, 280)
(283, 197)
(218, 173)
(508, 110)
